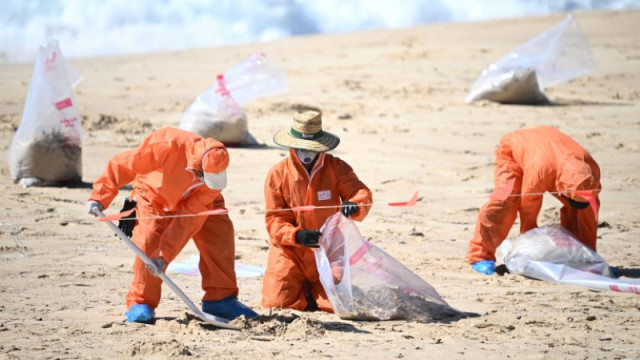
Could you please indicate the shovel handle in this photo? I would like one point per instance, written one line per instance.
(214, 320)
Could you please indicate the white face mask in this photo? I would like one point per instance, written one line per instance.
(215, 181)
(306, 156)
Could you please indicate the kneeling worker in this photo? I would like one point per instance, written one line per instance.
(308, 176)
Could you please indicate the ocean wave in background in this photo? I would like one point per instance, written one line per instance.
(109, 27)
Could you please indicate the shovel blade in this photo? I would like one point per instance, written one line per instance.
(217, 321)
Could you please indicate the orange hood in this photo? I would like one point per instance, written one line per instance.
(211, 152)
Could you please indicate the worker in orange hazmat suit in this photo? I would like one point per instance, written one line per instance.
(307, 177)
(175, 172)
(536, 161)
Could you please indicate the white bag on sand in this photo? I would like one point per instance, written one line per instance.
(552, 253)
(219, 118)
(365, 283)
(553, 244)
(47, 147)
(519, 86)
(557, 55)
(217, 112)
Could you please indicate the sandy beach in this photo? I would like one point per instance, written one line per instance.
(396, 99)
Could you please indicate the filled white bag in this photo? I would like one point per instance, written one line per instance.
(555, 56)
(552, 253)
(556, 245)
(47, 147)
(217, 112)
(363, 282)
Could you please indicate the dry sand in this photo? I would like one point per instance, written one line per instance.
(396, 99)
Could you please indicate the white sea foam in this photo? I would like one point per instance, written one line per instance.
(105, 27)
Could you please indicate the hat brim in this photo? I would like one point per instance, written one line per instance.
(324, 143)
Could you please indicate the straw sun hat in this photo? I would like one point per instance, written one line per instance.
(306, 133)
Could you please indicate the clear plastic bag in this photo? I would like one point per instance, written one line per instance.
(553, 244)
(217, 112)
(555, 56)
(47, 147)
(365, 283)
(552, 253)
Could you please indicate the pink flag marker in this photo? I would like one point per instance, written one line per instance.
(588, 194)
(411, 202)
(117, 216)
(503, 192)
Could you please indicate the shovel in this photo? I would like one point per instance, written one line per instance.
(208, 318)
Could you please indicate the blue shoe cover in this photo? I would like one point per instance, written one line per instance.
(487, 267)
(228, 308)
(140, 313)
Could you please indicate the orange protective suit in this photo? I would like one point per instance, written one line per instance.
(539, 159)
(291, 269)
(163, 170)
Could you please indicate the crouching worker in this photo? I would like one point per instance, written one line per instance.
(175, 172)
(308, 176)
(536, 161)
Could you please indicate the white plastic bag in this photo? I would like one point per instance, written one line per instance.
(552, 253)
(217, 112)
(553, 244)
(365, 283)
(555, 56)
(47, 148)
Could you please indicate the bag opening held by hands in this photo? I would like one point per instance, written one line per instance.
(363, 282)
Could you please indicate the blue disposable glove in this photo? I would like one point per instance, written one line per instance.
(140, 313)
(487, 267)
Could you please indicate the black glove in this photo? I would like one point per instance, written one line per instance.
(348, 208)
(308, 238)
(502, 269)
(578, 204)
(127, 224)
